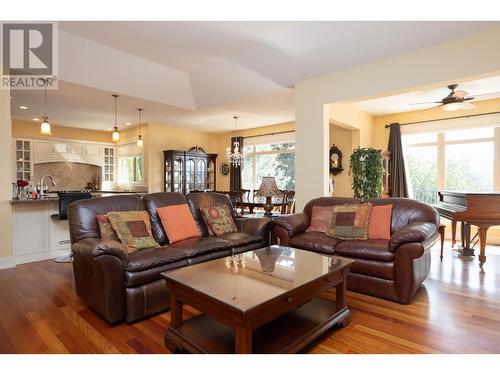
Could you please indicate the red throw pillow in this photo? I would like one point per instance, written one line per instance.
(379, 227)
(321, 219)
(178, 222)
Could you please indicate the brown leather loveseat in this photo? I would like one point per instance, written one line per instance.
(391, 269)
(127, 286)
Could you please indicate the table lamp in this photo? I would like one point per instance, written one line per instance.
(268, 189)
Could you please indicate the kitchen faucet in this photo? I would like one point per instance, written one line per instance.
(42, 192)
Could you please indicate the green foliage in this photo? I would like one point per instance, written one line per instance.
(366, 170)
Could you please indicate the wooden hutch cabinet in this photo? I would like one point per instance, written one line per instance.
(187, 171)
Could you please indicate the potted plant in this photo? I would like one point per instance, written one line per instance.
(366, 171)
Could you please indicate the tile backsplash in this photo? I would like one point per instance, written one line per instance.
(68, 176)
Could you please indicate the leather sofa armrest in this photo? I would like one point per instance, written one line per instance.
(259, 226)
(94, 247)
(418, 231)
(292, 224)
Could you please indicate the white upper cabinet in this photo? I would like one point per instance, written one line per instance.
(78, 152)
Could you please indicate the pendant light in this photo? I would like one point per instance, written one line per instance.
(140, 141)
(45, 125)
(234, 155)
(115, 136)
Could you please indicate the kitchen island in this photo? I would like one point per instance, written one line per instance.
(38, 232)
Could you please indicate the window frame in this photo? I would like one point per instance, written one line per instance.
(255, 153)
(441, 144)
(119, 156)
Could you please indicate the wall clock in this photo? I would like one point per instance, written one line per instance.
(224, 169)
(335, 160)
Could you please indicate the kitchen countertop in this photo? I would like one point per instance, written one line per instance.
(95, 194)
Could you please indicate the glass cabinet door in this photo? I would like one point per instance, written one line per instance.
(109, 164)
(201, 175)
(23, 160)
(178, 175)
(190, 176)
(168, 176)
(211, 175)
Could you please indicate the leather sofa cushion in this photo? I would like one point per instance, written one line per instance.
(241, 239)
(156, 257)
(315, 241)
(160, 256)
(135, 278)
(368, 249)
(198, 246)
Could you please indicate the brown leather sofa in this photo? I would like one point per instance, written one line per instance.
(391, 269)
(122, 286)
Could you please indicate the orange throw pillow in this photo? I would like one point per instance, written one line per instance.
(379, 227)
(178, 222)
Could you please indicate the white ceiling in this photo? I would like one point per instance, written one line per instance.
(403, 103)
(198, 74)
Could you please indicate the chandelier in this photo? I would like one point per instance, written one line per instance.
(233, 154)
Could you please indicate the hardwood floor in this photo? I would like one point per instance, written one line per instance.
(457, 311)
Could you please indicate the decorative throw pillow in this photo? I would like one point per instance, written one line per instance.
(133, 228)
(321, 219)
(350, 221)
(379, 227)
(106, 229)
(219, 219)
(178, 222)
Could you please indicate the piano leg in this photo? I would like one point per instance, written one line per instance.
(482, 244)
(453, 233)
(466, 250)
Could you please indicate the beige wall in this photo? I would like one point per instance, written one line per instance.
(5, 182)
(343, 139)
(32, 129)
(381, 134)
(163, 137)
(224, 141)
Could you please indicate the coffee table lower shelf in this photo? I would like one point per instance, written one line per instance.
(287, 334)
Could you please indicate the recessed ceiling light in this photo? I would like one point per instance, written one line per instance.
(23, 107)
(128, 123)
(36, 119)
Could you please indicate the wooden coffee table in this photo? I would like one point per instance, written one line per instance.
(263, 301)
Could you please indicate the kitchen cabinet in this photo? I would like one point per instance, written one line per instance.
(26, 153)
(23, 161)
(67, 151)
(37, 234)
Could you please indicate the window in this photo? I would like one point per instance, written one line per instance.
(266, 156)
(457, 160)
(130, 170)
(130, 164)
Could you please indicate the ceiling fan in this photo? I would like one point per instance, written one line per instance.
(456, 99)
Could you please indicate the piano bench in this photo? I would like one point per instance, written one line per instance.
(442, 229)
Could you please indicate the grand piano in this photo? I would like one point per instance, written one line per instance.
(478, 209)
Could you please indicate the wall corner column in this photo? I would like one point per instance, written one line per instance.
(311, 153)
(6, 221)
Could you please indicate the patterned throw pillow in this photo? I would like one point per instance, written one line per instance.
(106, 229)
(219, 219)
(350, 221)
(133, 228)
(321, 219)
